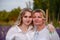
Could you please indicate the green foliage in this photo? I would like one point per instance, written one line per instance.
(53, 7)
(40, 4)
(56, 23)
(4, 15)
(8, 17)
(14, 14)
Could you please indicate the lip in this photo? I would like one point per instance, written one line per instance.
(37, 21)
(27, 21)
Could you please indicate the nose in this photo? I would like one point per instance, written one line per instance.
(28, 18)
(36, 18)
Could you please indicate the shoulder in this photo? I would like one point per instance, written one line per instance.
(12, 30)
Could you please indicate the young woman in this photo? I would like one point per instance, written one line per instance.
(22, 29)
(42, 31)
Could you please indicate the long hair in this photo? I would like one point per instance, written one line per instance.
(21, 14)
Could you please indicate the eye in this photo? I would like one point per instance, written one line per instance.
(34, 17)
(30, 16)
(25, 16)
(39, 17)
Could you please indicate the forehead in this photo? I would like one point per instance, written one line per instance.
(27, 13)
(38, 13)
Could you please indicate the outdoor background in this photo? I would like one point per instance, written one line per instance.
(9, 11)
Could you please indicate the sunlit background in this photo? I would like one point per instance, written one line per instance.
(10, 9)
(11, 4)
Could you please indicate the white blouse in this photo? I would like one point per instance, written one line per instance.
(15, 33)
(44, 34)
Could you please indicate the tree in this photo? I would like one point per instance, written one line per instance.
(4, 15)
(14, 14)
(51, 7)
(42, 4)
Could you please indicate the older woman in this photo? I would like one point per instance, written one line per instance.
(42, 31)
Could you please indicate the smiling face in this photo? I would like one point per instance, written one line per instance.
(38, 18)
(27, 18)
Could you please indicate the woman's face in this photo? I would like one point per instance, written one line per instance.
(27, 18)
(37, 18)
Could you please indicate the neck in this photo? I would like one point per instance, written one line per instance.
(40, 27)
(24, 27)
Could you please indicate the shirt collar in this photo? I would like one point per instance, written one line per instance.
(30, 27)
(19, 30)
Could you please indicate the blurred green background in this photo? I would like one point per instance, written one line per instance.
(51, 7)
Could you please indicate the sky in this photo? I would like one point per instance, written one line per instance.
(8, 5)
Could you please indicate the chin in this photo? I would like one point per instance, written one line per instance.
(27, 24)
(37, 24)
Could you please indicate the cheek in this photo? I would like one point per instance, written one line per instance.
(24, 19)
(37, 19)
(40, 20)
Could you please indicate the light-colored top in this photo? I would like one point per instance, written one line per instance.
(44, 34)
(15, 33)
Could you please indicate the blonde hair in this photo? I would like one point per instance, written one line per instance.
(21, 14)
(40, 10)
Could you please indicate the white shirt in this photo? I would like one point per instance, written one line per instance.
(44, 34)
(15, 33)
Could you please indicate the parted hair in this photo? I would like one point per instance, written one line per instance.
(40, 10)
(21, 14)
